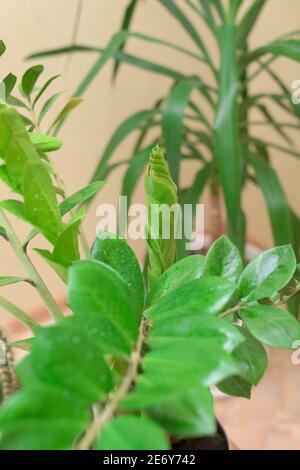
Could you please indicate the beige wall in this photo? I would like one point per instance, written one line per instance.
(30, 25)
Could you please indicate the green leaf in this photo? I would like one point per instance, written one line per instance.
(5, 178)
(249, 20)
(66, 249)
(15, 146)
(289, 49)
(226, 134)
(172, 123)
(130, 124)
(40, 203)
(271, 325)
(82, 371)
(223, 259)
(178, 274)
(196, 326)
(41, 418)
(98, 295)
(197, 297)
(276, 200)
(60, 270)
(16, 208)
(134, 171)
(178, 362)
(8, 280)
(44, 88)
(191, 415)
(9, 81)
(111, 49)
(267, 273)
(81, 196)
(30, 77)
(161, 193)
(236, 386)
(44, 143)
(252, 362)
(126, 21)
(67, 109)
(118, 254)
(47, 106)
(2, 47)
(185, 23)
(191, 196)
(143, 435)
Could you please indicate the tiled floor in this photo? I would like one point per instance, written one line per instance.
(271, 419)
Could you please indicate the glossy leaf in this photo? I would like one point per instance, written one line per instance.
(190, 415)
(271, 325)
(223, 259)
(178, 274)
(180, 358)
(144, 435)
(40, 204)
(30, 77)
(44, 143)
(267, 273)
(252, 362)
(83, 371)
(196, 326)
(117, 253)
(15, 146)
(100, 298)
(42, 418)
(66, 249)
(198, 297)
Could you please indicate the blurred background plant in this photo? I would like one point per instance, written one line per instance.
(224, 139)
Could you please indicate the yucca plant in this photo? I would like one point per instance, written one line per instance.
(222, 139)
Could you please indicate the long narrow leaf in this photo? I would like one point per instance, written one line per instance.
(127, 18)
(226, 133)
(249, 21)
(172, 125)
(276, 200)
(126, 127)
(185, 23)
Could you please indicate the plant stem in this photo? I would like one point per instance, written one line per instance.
(112, 404)
(230, 311)
(18, 313)
(44, 292)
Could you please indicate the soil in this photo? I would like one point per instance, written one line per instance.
(217, 442)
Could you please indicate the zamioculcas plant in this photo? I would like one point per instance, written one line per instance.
(132, 367)
(209, 117)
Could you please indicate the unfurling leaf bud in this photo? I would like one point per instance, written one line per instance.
(162, 203)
